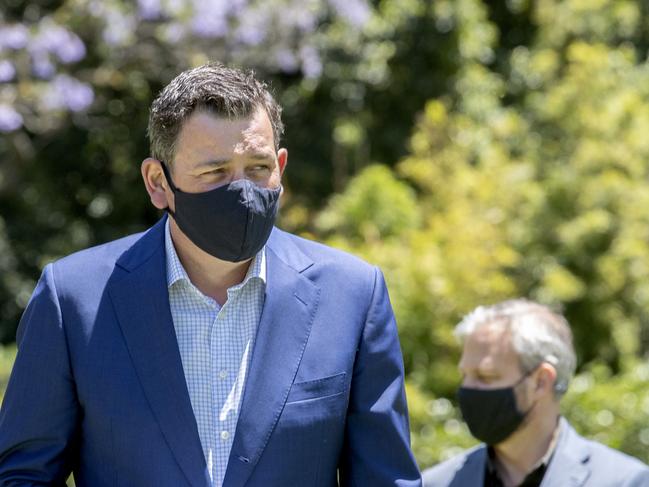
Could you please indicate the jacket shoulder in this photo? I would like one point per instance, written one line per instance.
(322, 254)
(95, 258)
(607, 460)
(86, 272)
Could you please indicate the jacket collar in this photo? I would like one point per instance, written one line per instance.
(569, 464)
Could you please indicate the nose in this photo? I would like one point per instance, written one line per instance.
(472, 382)
(237, 174)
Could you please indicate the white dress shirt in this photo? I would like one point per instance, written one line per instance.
(216, 344)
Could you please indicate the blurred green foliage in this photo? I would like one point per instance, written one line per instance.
(374, 207)
(7, 355)
(532, 179)
(498, 149)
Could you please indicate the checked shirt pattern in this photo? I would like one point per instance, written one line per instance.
(215, 344)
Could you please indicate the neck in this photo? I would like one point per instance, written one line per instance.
(212, 276)
(519, 454)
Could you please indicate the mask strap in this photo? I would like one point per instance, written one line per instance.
(527, 374)
(523, 377)
(172, 186)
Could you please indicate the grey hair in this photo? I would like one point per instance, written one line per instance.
(538, 335)
(214, 88)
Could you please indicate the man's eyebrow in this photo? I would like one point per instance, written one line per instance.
(213, 163)
(258, 156)
(262, 155)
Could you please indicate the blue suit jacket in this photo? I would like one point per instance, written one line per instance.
(576, 462)
(98, 386)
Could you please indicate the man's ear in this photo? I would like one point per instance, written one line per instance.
(155, 182)
(282, 160)
(546, 378)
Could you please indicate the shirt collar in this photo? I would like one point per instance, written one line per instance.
(176, 272)
(545, 459)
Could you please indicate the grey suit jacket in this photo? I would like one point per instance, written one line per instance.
(577, 462)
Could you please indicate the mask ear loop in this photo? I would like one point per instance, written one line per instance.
(526, 375)
(172, 186)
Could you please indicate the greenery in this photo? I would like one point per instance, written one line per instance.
(7, 355)
(475, 150)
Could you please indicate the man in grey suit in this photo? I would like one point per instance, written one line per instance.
(517, 361)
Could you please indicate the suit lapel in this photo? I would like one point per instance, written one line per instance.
(290, 306)
(569, 464)
(140, 297)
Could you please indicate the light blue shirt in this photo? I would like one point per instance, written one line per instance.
(215, 347)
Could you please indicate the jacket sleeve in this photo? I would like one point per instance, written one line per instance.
(377, 451)
(40, 410)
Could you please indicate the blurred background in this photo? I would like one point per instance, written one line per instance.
(475, 150)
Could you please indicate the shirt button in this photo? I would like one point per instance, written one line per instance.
(225, 435)
(223, 374)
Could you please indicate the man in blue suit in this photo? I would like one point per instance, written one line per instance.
(517, 361)
(213, 349)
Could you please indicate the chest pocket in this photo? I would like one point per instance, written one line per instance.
(318, 388)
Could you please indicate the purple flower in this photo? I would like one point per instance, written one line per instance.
(237, 6)
(79, 97)
(173, 32)
(149, 9)
(210, 18)
(72, 50)
(119, 28)
(53, 38)
(305, 19)
(253, 27)
(69, 93)
(7, 71)
(209, 26)
(10, 119)
(13, 36)
(250, 35)
(42, 67)
(286, 60)
(311, 62)
(356, 12)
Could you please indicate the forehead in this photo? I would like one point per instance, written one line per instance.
(489, 347)
(206, 134)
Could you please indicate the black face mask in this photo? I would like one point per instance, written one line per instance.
(231, 222)
(492, 415)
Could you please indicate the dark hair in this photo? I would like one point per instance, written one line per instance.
(215, 88)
